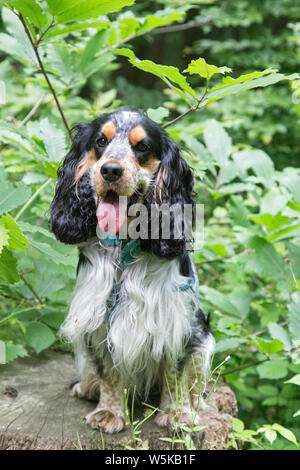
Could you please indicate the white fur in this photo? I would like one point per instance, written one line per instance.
(93, 287)
(151, 322)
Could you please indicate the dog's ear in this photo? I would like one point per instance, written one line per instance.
(73, 209)
(172, 186)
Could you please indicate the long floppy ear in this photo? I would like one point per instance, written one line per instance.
(172, 186)
(73, 209)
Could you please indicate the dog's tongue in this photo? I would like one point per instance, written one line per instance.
(111, 212)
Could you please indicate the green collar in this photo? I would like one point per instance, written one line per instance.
(129, 250)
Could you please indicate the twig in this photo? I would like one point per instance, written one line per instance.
(181, 27)
(32, 307)
(45, 74)
(237, 369)
(32, 198)
(192, 108)
(284, 323)
(39, 38)
(32, 289)
(31, 113)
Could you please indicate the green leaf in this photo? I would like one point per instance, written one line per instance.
(94, 66)
(54, 255)
(294, 380)
(53, 319)
(30, 10)
(14, 350)
(270, 435)
(60, 30)
(241, 84)
(267, 259)
(274, 201)
(25, 227)
(8, 267)
(217, 248)
(237, 425)
(16, 238)
(270, 347)
(60, 61)
(219, 300)
(155, 21)
(288, 232)
(162, 71)
(233, 188)
(217, 141)
(93, 46)
(268, 390)
(271, 222)
(291, 180)
(8, 136)
(276, 331)
(17, 43)
(205, 70)
(294, 256)
(11, 197)
(228, 81)
(238, 211)
(259, 162)
(294, 316)
(80, 10)
(39, 336)
(128, 26)
(4, 237)
(157, 114)
(228, 343)
(54, 140)
(275, 369)
(285, 433)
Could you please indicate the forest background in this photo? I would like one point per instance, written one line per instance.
(228, 71)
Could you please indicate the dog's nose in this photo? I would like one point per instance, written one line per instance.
(112, 171)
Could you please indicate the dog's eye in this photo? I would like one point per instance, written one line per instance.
(102, 141)
(141, 147)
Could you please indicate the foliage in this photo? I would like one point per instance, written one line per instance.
(249, 266)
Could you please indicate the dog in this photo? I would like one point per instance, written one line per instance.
(134, 320)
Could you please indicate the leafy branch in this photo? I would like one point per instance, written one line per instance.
(35, 48)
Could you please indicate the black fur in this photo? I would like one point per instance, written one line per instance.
(73, 216)
(176, 188)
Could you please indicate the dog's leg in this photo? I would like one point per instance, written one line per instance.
(109, 415)
(182, 392)
(89, 385)
(175, 403)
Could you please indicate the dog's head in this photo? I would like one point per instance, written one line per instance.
(118, 160)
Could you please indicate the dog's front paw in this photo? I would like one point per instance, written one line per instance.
(76, 391)
(175, 418)
(106, 420)
(89, 390)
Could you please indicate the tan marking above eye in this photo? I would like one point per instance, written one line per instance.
(109, 130)
(137, 134)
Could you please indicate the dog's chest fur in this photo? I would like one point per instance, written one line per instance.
(151, 322)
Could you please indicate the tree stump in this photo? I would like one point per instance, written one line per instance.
(37, 411)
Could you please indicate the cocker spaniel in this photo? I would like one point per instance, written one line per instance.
(134, 319)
